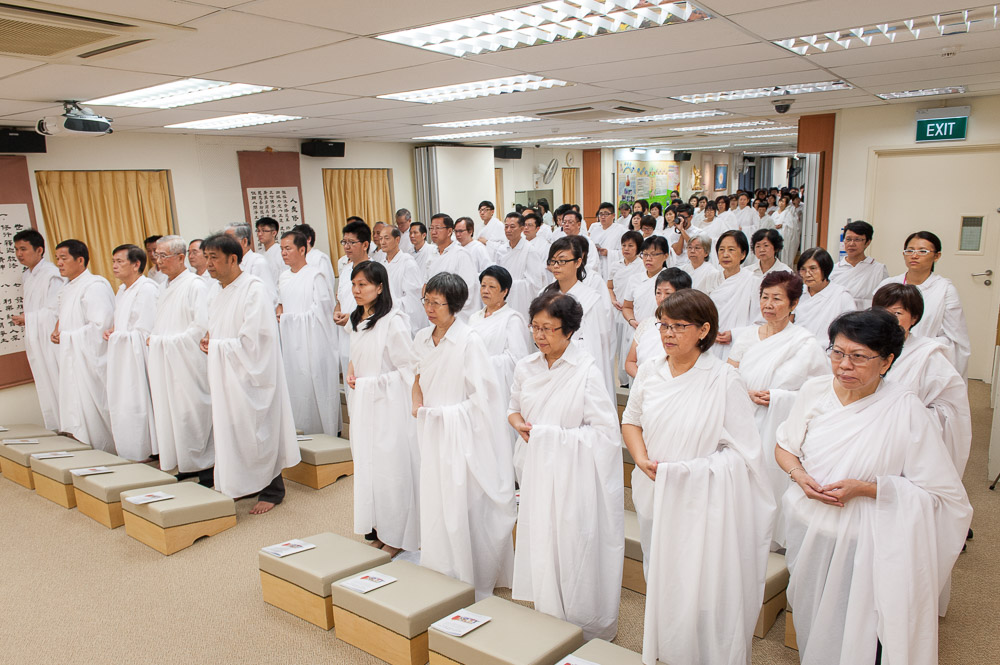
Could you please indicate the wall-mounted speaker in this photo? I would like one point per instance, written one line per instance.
(682, 156)
(14, 139)
(322, 148)
(507, 153)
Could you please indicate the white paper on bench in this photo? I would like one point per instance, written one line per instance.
(18, 441)
(287, 547)
(460, 623)
(303, 437)
(369, 581)
(51, 455)
(575, 660)
(92, 471)
(149, 498)
(3, 429)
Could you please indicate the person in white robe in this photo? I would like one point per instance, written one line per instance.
(253, 263)
(856, 272)
(774, 360)
(764, 219)
(154, 273)
(251, 411)
(451, 258)
(704, 276)
(267, 235)
(467, 506)
(41, 284)
(571, 521)
(624, 215)
(403, 219)
(943, 319)
(786, 223)
(526, 268)
(877, 515)
(620, 273)
(406, 282)
(178, 370)
(606, 237)
(490, 229)
(646, 343)
(822, 300)
(737, 298)
(130, 406)
(199, 265)
(383, 440)
(86, 310)
(766, 245)
(478, 252)
(317, 258)
(746, 218)
(572, 225)
(705, 510)
(538, 244)
(423, 251)
(356, 237)
(375, 252)
(640, 301)
(308, 335)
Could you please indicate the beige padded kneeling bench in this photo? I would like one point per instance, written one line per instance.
(25, 431)
(790, 641)
(99, 497)
(325, 458)
(775, 584)
(514, 635)
(53, 479)
(391, 622)
(632, 576)
(300, 583)
(606, 653)
(171, 525)
(15, 458)
(627, 464)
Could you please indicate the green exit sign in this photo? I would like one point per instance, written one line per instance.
(942, 129)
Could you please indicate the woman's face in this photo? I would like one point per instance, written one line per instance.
(637, 207)
(906, 320)
(491, 293)
(662, 291)
(743, 200)
(680, 338)
(636, 218)
(653, 259)
(696, 253)
(364, 292)
(722, 205)
(709, 215)
(774, 304)
(730, 254)
(548, 334)
(764, 250)
(811, 274)
(436, 309)
(693, 201)
(668, 217)
(923, 257)
(629, 251)
(563, 266)
(855, 366)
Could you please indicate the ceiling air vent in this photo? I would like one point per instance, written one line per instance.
(591, 111)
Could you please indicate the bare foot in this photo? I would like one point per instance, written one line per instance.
(392, 551)
(261, 507)
(377, 544)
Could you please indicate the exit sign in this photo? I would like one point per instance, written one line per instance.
(942, 129)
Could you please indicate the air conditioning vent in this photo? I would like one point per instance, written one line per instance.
(23, 38)
(558, 112)
(113, 47)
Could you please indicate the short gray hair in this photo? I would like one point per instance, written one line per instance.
(705, 240)
(173, 244)
(404, 213)
(241, 232)
(450, 286)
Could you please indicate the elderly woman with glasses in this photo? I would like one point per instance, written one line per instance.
(467, 509)
(737, 298)
(640, 302)
(646, 342)
(822, 301)
(571, 529)
(704, 506)
(877, 514)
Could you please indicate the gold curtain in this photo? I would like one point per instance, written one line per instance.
(498, 178)
(569, 186)
(366, 193)
(105, 209)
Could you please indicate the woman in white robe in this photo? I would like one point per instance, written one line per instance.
(738, 297)
(704, 276)
(646, 343)
(467, 509)
(619, 275)
(944, 319)
(713, 226)
(383, 440)
(878, 514)
(571, 521)
(766, 245)
(785, 222)
(640, 302)
(774, 360)
(704, 507)
(822, 300)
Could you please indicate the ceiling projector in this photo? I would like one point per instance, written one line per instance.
(76, 120)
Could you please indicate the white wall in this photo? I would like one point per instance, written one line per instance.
(465, 177)
(519, 174)
(19, 405)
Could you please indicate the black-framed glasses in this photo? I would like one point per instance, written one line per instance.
(672, 327)
(538, 330)
(856, 359)
(559, 262)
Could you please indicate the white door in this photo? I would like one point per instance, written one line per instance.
(933, 190)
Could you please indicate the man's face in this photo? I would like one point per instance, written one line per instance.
(220, 265)
(571, 225)
(377, 234)
(26, 254)
(355, 250)
(416, 237)
(196, 257)
(462, 234)
(122, 269)
(512, 230)
(292, 256)
(605, 217)
(403, 223)
(485, 214)
(69, 267)
(169, 264)
(388, 242)
(440, 234)
(266, 236)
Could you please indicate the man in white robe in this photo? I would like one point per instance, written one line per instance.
(251, 411)
(572, 226)
(267, 235)
(254, 263)
(42, 284)
(606, 237)
(423, 251)
(406, 282)
(491, 230)
(375, 252)
(524, 266)
(308, 336)
(316, 257)
(86, 310)
(154, 272)
(129, 403)
(856, 272)
(478, 252)
(403, 218)
(624, 215)
(356, 237)
(452, 258)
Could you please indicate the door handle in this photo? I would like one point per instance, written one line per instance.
(988, 273)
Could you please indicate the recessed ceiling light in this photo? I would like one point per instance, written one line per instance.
(905, 30)
(451, 93)
(770, 136)
(755, 93)
(750, 129)
(548, 139)
(685, 115)
(482, 122)
(180, 93)
(727, 125)
(589, 142)
(685, 148)
(545, 23)
(465, 135)
(747, 145)
(773, 153)
(926, 92)
(234, 121)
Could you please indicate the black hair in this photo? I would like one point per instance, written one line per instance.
(635, 237)
(560, 306)
(360, 231)
(907, 295)
(861, 228)
(374, 273)
(583, 244)
(150, 240)
(656, 204)
(643, 203)
(486, 204)
(228, 245)
(695, 307)
(135, 255)
(875, 328)
(452, 287)
(575, 213)
(544, 204)
(515, 215)
(307, 231)
(712, 206)
(470, 225)
(448, 222)
(606, 205)
(658, 243)
(420, 227)
(76, 249)
(565, 244)
(675, 277)
(770, 235)
(500, 274)
(354, 218)
(267, 222)
(562, 210)
(741, 241)
(821, 257)
(298, 238)
(647, 220)
(30, 236)
(929, 237)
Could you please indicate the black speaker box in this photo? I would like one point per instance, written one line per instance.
(507, 153)
(13, 139)
(682, 156)
(321, 148)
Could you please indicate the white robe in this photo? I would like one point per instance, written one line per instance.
(610, 239)
(308, 337)
(738, 300)
(251, 411)
(871, 570)
(706, 277)
(641, 290)
(748, 220)
(42, 285)
(457, 261)
(321, 261)
(423, 257)
(86, 310)
(383, 438)
(861, 280)
(178, 375)
(129, 404)
(816, 313)
(527, 272)
(571, 521)
(505, 334)
(648, 344)
(790, 233)
(620, 274)
(594, 334)
(494, 234)
(467, 509)
(157, 276)
(345, 298)
(943, 318)
(255, 264)
(273, 255)
(480, 255)
(406, 283)
(705, 523)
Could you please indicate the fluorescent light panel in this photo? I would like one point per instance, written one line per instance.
(549, 139)
(589, 142)
(234, 121)
(770, 136)
(483, 122)
(500, 86)
(545, 23)
(926, 92)
(180, 93)
(685, 115)
(905, 30)
(773, 91)
(726, 125)
(750, 145)
(750, 129)
(464, 135)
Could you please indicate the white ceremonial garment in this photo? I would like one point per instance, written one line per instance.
(571, 520)
(406, 283)
(308, 340)
(594, 335)
(405, 244)
(737, 299)
(648, 343)
(779, 364)
(383, 438)
(673, 236)
(178, 374)
(494, 234)
(345, 298)
(457, 261)
(622, 332)
(507, 340)
(705, 522)
(86, 310)
(130, 406)
(765, 222)
(641, 290)
(714, 231)
(481, 257)
(816, 313)
(706, 277)
(375, 254)
(624, 221)
(593, 263)
(273, 255)
(157, 276)
(777, 266)
(527, 272)
(861, 280)
(747, 220)
(943, 319)
(42, 285)
(467, 509)
(255, 264)
(251, 412)
(790, 233)
(871, 570)
(423, 257)
(609, 239)
(321, 261)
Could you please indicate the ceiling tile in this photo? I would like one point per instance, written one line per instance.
(718, 75)
(290, 101)
(14, 65)
(431, 75)
(52, 83)
(962, 58)
(359, 105)
(173, 13)
(906, 50)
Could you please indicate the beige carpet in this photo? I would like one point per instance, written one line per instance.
(73, 591)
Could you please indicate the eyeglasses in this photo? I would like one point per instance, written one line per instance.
(856, 359)
(438, 228)
(605, 213)
(809, 270)
(651, 255)
(672, 327)
(918, 252)
(159, 256)
(856, 241)
(545, 332)
(559, 262)
(349, 243)
(190, 252)
(431, 303)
